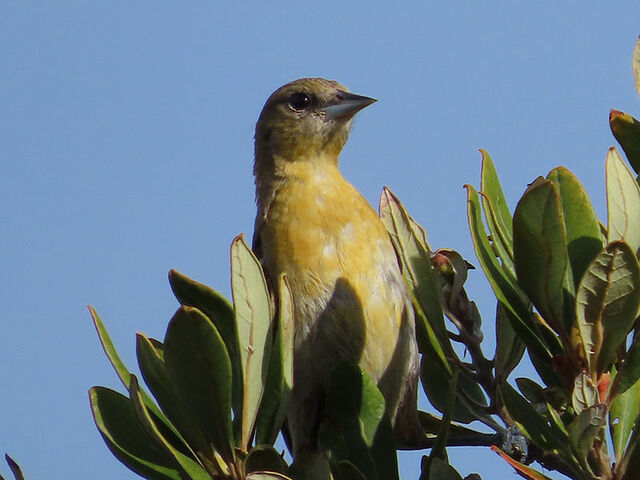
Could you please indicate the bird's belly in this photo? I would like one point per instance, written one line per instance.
(348, 291)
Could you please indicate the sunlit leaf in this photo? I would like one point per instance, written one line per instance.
(127, 439)
(505, 290)
(540, 252)
(497, 212)
(189, 465)
(198, 364)
(420, 276)
(218, 309)
(623, 414)
(607, 303)
(623, 202)
(253, 317)
(119, 366)
(582, 227)
(626, 129)
(157, 378)
(279, 382)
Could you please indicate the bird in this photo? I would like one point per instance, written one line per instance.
(351, 303)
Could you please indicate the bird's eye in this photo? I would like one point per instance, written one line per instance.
(300, 101)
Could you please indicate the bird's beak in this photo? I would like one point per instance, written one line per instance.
(347, 105)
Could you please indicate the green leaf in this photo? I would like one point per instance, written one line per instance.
(626, 129)
(119, 366)
(630, 371)
(198, 363)
(623, 202)
(264, 458)
(157, 378)
(191, 467)
(623, 414)
(279, 382)
(497, 213)
(437, 386)
(418, 271)
(585, 393)
(540, 252)
(253, 317)
(504, 289)
(129, 442)
(218, 309)
(584, 429)
(582, 227)
(546, 436)
(607, 304)
(509, 347)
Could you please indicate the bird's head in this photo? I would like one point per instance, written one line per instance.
(308, 118)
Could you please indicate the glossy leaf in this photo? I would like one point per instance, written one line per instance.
(582, 227)
(623, 202)
(509, 347)
(127, 439)
(626, 129)
(279, 382)
(119, 366)
(497, 213)
(623, 414)
(607, 303)
(533, 425)
(504, 289)
(540, 252)
(420, 276)
(189, 465)
(198, 364)
(584, 429)
(218, 309)
(157, 378)
(253, 316)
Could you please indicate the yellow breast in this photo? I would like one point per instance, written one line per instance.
(347, 287)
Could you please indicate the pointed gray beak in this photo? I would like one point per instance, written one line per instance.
(347, 105)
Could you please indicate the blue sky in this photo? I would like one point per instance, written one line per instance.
(126, 150)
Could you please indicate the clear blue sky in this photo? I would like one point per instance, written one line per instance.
(126, 150)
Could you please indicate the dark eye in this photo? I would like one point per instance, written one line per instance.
(300, 101)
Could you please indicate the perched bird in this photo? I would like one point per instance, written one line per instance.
(351, 303)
